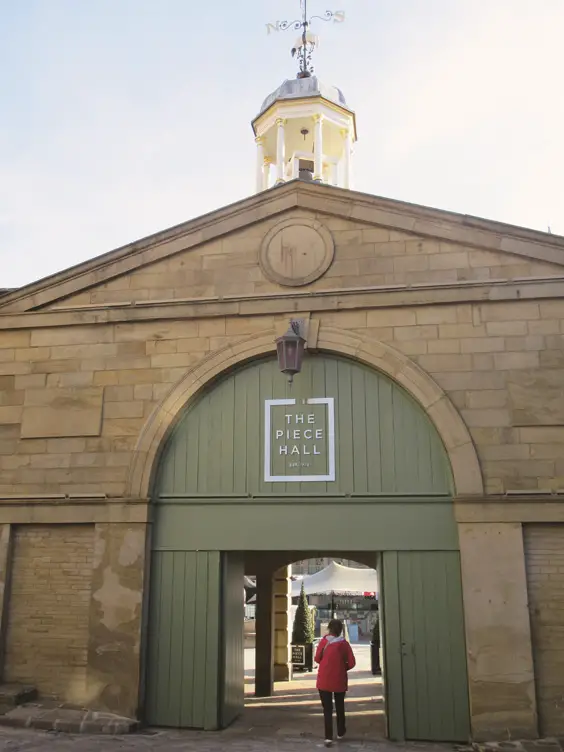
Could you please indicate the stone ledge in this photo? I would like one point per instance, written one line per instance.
(492, 509)
(341, 299)
(72, 720)
(69, 511)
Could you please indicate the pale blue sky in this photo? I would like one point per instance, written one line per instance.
(119, 118)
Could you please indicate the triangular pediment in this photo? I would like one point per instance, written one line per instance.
(375, 241)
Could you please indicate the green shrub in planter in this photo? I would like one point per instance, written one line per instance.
(303, 631)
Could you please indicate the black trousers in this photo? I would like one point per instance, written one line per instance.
(327, 702)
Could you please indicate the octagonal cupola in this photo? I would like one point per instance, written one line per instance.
(305, 129)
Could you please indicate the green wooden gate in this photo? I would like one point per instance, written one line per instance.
(391, 491)
(232, 613)
(195, 652)
(424, 648)
(183, 659)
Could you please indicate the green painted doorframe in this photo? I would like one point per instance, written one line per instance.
(426, 681)
(214, 492)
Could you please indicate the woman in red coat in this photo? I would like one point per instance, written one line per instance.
(335, 658)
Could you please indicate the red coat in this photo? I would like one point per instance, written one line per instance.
(335, 658)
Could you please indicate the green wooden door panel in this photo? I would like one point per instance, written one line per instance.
(428, 697)
(391, 630)
(232, 617)
(385, 443)
(183, 640)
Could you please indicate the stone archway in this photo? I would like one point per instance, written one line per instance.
(384, 485)
(440, 410)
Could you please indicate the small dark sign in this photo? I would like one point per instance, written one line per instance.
(298, 655)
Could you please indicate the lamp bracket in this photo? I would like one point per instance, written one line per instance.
(298, 326)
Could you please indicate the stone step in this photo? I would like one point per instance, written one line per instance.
(20, 707)
(49, 717)
(12, 695)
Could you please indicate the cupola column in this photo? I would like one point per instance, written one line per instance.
(346, 133)
(266, 173)
(335, 174)
(280, 150)
(260, 163)
(314, 139)
(318, 148)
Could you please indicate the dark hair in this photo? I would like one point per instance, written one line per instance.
(335, 627)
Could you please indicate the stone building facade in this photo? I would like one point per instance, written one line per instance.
(97, 362)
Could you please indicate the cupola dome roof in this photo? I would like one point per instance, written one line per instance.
(301, 88)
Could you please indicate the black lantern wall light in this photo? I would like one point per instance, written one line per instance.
(290, 349)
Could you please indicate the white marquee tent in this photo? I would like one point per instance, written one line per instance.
(339, 580)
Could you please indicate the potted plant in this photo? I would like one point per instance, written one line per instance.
(302, 636)
(375, 647)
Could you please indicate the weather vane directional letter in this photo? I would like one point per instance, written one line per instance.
(307, 42)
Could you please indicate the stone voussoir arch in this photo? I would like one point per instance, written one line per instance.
(418, 383)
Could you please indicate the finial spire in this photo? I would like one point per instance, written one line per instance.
(305, 44)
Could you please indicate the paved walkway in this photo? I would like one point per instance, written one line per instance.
(240, 740)
(291, 721)
(295, 709)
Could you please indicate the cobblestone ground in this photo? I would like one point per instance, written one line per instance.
(13, 740)
(291, 721)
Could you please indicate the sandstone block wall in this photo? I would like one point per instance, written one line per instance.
(544, 549)
(498, 634)
(500, 363)
(364, 256)
(76, 393)
(50, 586)
(82, 376)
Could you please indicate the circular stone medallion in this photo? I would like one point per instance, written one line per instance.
(296, 252)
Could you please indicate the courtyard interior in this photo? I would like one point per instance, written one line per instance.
(295, 710)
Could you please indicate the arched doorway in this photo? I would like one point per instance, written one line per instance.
(346, 460)
(294, 706)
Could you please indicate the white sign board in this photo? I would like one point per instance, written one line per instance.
(299, 440)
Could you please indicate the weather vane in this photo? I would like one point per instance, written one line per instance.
(306, 44)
